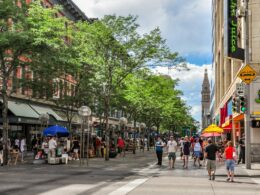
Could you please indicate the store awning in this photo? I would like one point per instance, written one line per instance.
(46, 110)
(75, 119)
(22, 110)
(227, 126)
(239, 117)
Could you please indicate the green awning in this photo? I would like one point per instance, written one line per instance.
(46, 110)
(22, 109)
(75, 119)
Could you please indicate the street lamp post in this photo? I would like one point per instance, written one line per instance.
(84, 112)
(123, 121)
(142, 126)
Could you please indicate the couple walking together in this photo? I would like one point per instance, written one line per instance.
(171, 148)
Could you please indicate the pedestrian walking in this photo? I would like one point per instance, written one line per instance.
(98, 146)
(242, 149)
(230, 154)
(75, 149)
(17, 143)
(103, 145)
(186, 152)
(210, 155)
(142, 145)
(22, 148)
(159, 150)
(121, 146)
(52, 147)
(192, 143)
(197, 152)
(171, 151)
(181, 147)
(146, 143)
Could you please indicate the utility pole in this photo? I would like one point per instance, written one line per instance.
(247, 128)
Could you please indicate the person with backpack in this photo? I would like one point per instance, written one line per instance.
(210, 154)
(159, 150)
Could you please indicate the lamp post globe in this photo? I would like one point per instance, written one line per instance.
(154, 128)
(84, 111)
(142, 125)
(123, 121)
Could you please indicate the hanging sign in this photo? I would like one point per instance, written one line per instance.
(231, 36)
(255, 123)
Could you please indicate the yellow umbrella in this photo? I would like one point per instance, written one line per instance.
(213, 129)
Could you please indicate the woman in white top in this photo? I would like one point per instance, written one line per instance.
(197, 152)
(22, 148)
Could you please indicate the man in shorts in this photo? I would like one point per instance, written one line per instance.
(171, 151)
(210, 155)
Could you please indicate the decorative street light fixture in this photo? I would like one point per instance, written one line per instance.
(84, 112)
(154, 128)
(123, 121)
(142, 126)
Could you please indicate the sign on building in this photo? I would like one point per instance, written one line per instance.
(240, 89)
(247, 74)
(231, 48)
(255, 123)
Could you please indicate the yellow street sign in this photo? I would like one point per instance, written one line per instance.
(247, 74)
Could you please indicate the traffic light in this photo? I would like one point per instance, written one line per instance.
(242, 104)
(235, 104)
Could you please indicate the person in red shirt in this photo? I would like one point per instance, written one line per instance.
(98, 146)
(230, 154)
(120, 145)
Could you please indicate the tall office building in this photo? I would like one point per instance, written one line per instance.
(228, 18)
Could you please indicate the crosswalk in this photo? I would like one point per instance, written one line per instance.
(117, 188)
(125, 186)
(72, 189)
(128, 187)
(122, 187)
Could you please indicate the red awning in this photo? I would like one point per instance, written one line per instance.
(228, 128)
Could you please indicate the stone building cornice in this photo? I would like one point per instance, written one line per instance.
(74, 9)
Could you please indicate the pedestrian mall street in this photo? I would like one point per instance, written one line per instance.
(133, 175)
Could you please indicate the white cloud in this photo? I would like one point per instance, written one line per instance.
(190, 83)
(186, 24)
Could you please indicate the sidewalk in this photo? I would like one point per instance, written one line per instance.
(96, 161)
(241, 171)
(195, 180)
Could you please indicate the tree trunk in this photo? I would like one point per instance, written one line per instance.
(107, 126)
(5, 118)
(148, 138)
(134, 141)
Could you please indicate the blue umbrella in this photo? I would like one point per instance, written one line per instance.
(56, 131)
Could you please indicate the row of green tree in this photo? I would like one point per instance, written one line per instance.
(108, 58)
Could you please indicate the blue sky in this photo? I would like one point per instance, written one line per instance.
(185, 24)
